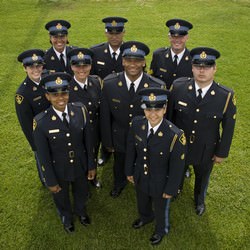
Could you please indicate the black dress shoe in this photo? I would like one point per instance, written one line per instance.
(69, 228)
(156, 239)
(96, 183)
(115, 192)
(138, 224)
(200, 209)
(84, 220)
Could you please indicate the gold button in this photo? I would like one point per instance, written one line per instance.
(144, 158)
(69, 144)
(195, 121)
(161, 153)
(68, 134)
(174, 74)
(71, 161)
(197, 110)
(145, 165)
(215, 116)
(193, 132)
(131, 105)
(90, 112)
(89, 103)
(145, 149)
(130, 115)
(90, 121)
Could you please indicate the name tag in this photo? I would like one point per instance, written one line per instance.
(138, 138)
(182, 103)
(163, 70)
(116, 100)
(101, 63)
(53, 131)
(37, 98)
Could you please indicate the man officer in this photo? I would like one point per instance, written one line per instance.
(107, 57)
(154, 161)
(30, 97)
(170, 63)
(120, 103)
(206, 111)
(56, 59)
(64, 144)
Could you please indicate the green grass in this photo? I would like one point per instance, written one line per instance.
(28, 218)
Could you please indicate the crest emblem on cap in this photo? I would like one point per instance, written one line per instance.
(152, 97)
(58, 81)
(133, 48)
(59, 26)
(177, 26)
(114, 23)
(80, 55)
(34, 57)
(203, 55)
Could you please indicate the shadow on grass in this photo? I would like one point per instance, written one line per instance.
(111, 223)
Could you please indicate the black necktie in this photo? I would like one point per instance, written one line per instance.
(175, 60)
(113, 56)
(65, 121)
(150, 135)
(62, 60)
(199, 97)
(132, 90)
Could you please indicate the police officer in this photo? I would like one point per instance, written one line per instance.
(206, 111)
(154, 161)
(169, 63)
(120, 102)
(86, 89)
(107, 58)
(63, 138)
(56, 58)
(30, 97)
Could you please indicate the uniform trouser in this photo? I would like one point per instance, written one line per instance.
(120, 179)
(39, 169)
(202, 174)
(161, 206)
(62, 199)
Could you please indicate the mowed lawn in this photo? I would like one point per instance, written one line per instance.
(28, 218)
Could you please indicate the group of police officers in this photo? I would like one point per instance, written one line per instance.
(78, 103)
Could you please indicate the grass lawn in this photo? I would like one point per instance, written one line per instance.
(28, 219)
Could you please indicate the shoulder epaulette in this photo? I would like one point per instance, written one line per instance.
(111, 76)
(77, 104)
(96, 79)
(73, 47)
(225, 88)
(39, 116)
(97, 45)
(157, 80)
(161, 49)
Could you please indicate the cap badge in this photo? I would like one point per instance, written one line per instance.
(114, 23)
(160, 134)
(34, 57)
(177, 26)
(133, 48)
(212, 92)
(152, 97)
(145, 85)
(59, 26)
(203, 55)
(80, 55)
(58, 81)
(53, 118)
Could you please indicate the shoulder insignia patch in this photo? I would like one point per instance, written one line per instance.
(19, 99)
(183, 140)
(34, 124)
